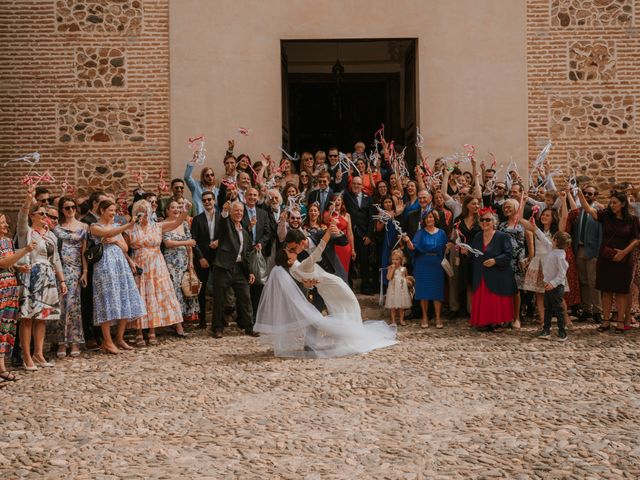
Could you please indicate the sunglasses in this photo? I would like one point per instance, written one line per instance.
(52, 217)
(42, 214)
(332, 156)
(207, 200)
(69, 208)
(485, 220)
(178, 188)
(209, 175)
(588, 194)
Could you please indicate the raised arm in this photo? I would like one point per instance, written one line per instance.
(564, 211)
(587, 208)
(108, 232)
(169, 225)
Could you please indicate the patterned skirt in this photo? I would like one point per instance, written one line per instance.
(9, 305)
(40, 299)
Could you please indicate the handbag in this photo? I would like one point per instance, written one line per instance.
(190, 284)
(608, 252)
(93, 253)
(258, 267)
(446, 266)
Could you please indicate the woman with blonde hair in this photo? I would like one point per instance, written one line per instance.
(153, 279)
(43, 284)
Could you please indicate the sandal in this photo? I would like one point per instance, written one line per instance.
(619, 331)
(140, 341)
(151, 340)
(8, 376)
(604, 327)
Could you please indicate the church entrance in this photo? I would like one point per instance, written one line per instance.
(338, 92)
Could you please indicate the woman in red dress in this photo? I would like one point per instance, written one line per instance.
(337, 210)
(494, 283)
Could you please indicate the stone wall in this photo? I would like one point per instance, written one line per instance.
(584, 86)
(86, 84)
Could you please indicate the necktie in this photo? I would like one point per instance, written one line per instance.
(583, 226)
(323, 199)
(252, 217)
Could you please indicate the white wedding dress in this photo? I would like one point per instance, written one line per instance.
(287, 321)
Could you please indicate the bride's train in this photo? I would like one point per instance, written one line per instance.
(294, 328)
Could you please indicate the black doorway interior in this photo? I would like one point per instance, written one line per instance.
(343, 97)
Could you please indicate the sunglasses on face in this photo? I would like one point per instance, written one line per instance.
(178, 188)
(332, 156)
(207, 200)
(69, 208)
(209, 175)
(52, 217)
(42, 214)
(588, 194)
(484, 220)
(153, 202)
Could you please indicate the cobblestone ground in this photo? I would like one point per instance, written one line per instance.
(449, 403)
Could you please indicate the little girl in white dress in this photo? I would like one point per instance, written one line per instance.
(398, 296)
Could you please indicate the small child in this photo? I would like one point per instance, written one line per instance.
(554, 271)
(398, 297)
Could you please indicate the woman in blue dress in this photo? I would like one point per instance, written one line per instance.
(428, 246)
(116, 298)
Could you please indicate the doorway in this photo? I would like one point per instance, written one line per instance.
(338, 92)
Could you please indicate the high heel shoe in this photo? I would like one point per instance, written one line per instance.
(30, 369)
(44, 364)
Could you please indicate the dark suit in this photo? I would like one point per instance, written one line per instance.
(262, 236)
(361, 224)
(200, 233)
(316, 197)
(227, 272)
(338, 186)
(499, 278)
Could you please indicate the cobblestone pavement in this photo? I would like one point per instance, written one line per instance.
(449, 403)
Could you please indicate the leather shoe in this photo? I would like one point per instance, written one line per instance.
(217, 334)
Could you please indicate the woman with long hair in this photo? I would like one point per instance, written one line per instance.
(386, 234)
(178, 255)
(338, 212)
(287, 170)
(516, 232)
(466, 227)
(9, 294)
(72, 238)
(614, 268)
(313, 222)
(43, 284)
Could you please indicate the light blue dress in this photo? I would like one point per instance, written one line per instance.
(427, 270)
(115, 293)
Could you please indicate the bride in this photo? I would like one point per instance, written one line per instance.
(287, 321)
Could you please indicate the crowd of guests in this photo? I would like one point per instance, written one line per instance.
(449, 239)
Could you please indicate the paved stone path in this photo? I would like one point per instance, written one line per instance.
(449, 403)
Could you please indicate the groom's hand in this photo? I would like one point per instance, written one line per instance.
(309, 284)
(252, 279)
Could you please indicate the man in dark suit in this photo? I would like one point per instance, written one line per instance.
(338, 177)
(203, 231)
(256, 222)
(323, 195)
(231, 268)
(358, 204)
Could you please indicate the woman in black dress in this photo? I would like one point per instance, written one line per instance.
(466, 227)
(614, 268)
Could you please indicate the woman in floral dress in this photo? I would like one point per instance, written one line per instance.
(115, 296)
(72, 234)
(516, 232)
(154, 282)
(179, 257)
(9, 295)
(40, 302)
